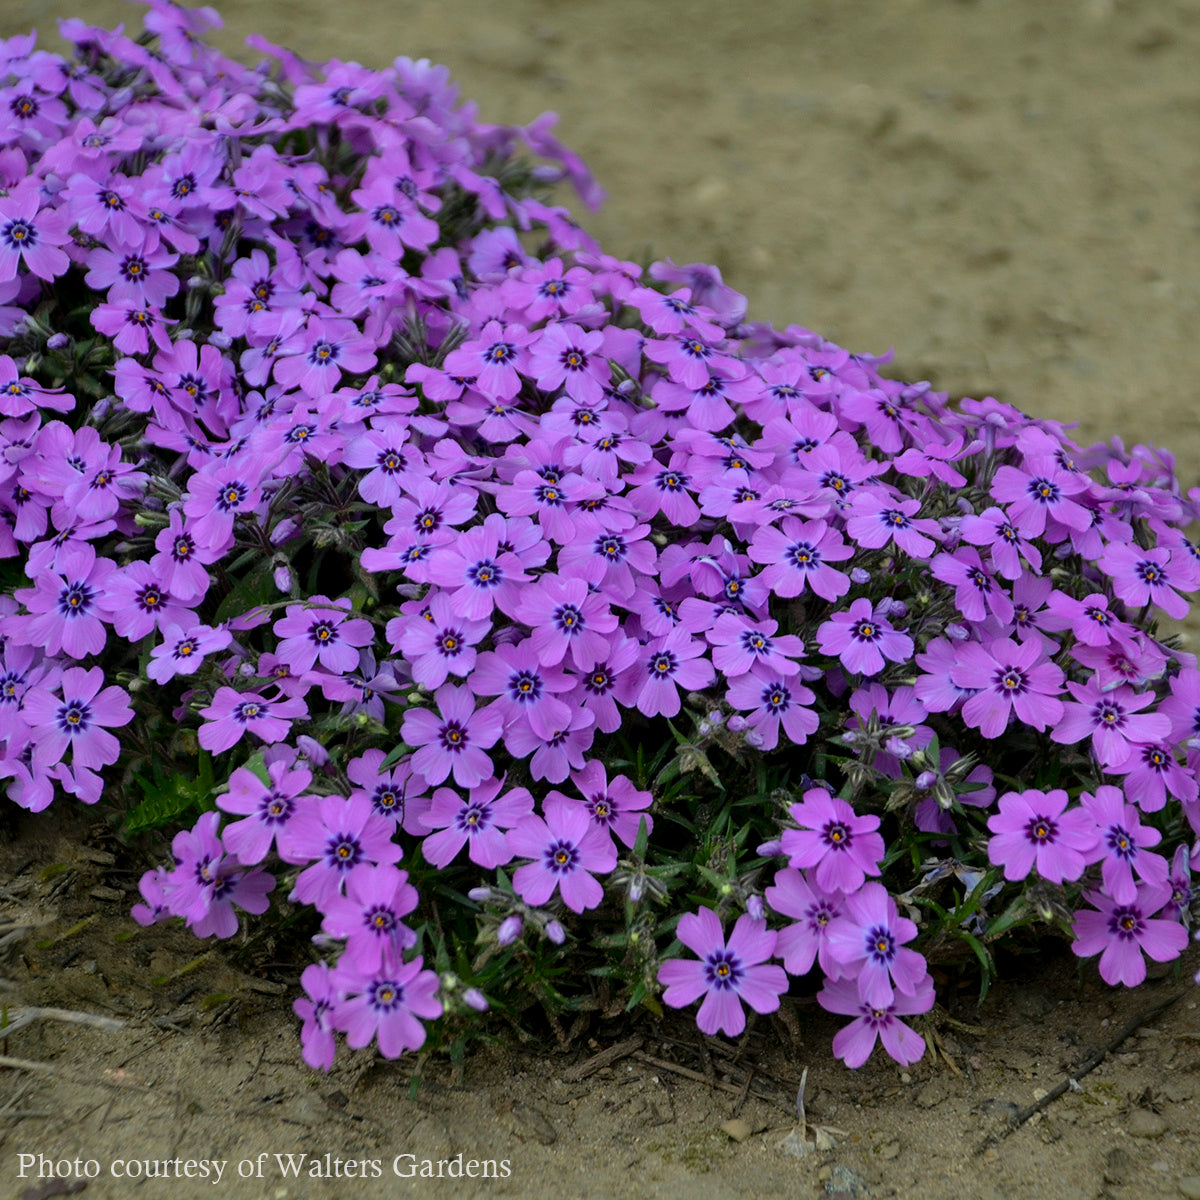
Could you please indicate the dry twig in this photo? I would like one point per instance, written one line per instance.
(605, 1058)
(1086, 1068)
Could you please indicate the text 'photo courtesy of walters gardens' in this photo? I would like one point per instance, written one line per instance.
(266, 1165)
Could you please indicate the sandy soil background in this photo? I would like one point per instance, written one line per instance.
(1007, 192)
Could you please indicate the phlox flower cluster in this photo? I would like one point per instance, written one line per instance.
(469, 562)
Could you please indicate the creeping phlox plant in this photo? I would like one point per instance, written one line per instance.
(544, 630)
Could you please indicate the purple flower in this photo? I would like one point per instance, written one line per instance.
(183, 650)
(382, 449)
(554, 756)
(1146, 577)
(668, 664)
(67, 608)
(570, 357)
(492, 359)
(1111, 717)
(527, 691)
(565, 847)
(1008, 677)
(267, 806)
(1041, 492)
(369, 916)
(74, 711)
(477, 821)
(218, 496)
(1121, 931)
(397, 794)
(1121, 842)
(1090, 619)
(877, 518)
(334, 835)
(797, 556)
(664, 489)
(318, 631)
(156, 905)
(976, 592)
(726, 973)
(233, 713)
(249, 890)
(390, 221)
(806, 939)
(863, 639)
(615, 805)
(314, 357)
(437, 642)
(385, 1005)
(742, 645)
(993, 529)
(842, 846)
(138, 275)
(31, 235)
(180, 560)
(775, 704)
(853, 1043)
(1151, 773)
(609, 560)
(868, 941)
(1033, 828)
(478, 574)
(567, 617)
(204, 883)
(452, 740)
(315, 1009)
(597, 689)
(687, 358)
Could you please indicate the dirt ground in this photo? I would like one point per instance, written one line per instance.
(1007, 192)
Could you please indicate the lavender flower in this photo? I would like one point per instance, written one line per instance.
(726, 973)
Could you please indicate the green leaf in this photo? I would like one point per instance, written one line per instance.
(256, 589)
(1017, 913)
(985, 961)
(164, 803)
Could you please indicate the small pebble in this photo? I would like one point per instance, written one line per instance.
(737, 1129)
(1118, 1166)
(1189, 1185)
(889, 1150)
(1143, 1123)
(844, 1184)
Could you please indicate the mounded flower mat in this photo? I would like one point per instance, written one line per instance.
(516, 625)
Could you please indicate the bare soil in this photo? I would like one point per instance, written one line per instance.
(1008, 192)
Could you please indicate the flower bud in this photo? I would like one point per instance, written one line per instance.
(474, 998)
(925, 780)
(312, 750)
(772, 849)
(510, 927)
(556, 933)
